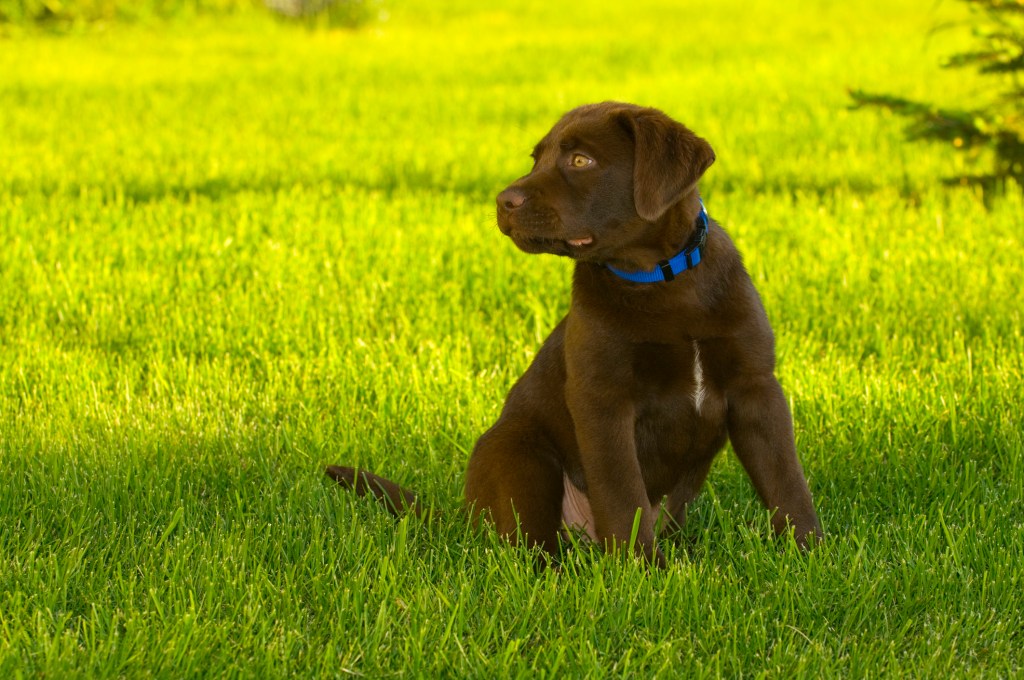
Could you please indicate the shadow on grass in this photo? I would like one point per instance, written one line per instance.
(221, 188)
(807, 184)
(480, 189)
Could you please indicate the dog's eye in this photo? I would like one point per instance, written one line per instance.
(578, 160)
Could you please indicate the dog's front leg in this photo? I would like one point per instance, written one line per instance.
(615, 485)
(761, 431)
(599, 400)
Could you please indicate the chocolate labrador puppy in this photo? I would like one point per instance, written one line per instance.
(665, 353)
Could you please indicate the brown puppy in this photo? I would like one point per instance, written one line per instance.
(665, 353)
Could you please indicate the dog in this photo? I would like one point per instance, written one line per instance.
(665, 353)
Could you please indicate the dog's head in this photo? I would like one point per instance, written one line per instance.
(602, 181)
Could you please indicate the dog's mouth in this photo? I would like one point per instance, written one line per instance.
(529, 233)
(557, 246)
(570, 242)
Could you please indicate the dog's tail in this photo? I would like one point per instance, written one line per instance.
(397, 500)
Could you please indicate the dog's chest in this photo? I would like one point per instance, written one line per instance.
(664, 375)
(679, 409)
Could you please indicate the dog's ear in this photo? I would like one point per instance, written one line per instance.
(668, 160)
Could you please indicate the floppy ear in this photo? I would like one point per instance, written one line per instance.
(668, 160)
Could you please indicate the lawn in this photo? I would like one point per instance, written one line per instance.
(234, 250)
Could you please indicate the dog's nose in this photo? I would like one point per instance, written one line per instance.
(511, 198)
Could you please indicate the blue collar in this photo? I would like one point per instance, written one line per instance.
(666, 270)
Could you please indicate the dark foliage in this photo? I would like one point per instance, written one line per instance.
(996, 123)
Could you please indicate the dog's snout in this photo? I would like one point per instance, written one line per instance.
(511, 198)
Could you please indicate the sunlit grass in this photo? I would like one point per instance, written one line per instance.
(234, 251)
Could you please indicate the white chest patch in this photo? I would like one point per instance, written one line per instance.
(576, 512)
(698, 379)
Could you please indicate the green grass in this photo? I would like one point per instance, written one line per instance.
(233, 251)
